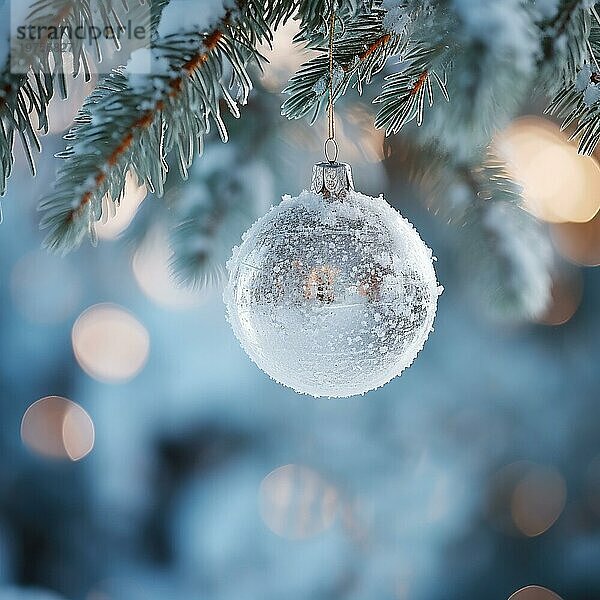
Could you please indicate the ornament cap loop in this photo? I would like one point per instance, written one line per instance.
(332, 179)
(331, 150)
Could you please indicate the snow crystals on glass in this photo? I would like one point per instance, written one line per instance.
(332, 293)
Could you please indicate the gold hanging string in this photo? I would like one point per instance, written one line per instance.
(330, 143)
(331, 114)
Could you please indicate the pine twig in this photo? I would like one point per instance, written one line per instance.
(25, 95)
(564, 44)
(111, 136)
(361, 51)
(578, 102)
(404, 92)
(507, 254)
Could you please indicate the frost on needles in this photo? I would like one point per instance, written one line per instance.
(444, 73)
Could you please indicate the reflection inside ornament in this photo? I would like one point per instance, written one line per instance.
(319, 284)
(332, 295)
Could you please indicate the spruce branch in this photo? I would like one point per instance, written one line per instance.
(229, 189)
(406, 91)
(361, 51)
(367, 41)
(503, 250)
(313, 16)
(127, 125)
(228, 193)
(489, 53)
(508, 257)
(578, 103)
(144, 124)
(564, 48)
(30, 79)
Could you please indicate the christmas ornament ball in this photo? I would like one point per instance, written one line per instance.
(332, 295)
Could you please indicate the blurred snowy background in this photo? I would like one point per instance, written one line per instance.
(165, 465)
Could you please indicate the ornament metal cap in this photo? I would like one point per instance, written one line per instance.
(332, 179)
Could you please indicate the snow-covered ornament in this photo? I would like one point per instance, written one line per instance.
(332, 293)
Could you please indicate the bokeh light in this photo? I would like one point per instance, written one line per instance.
(559, 185)
(284, 57)
(566, 295)
(296, 502)
(359, 140)
(526, 498)
(56, 427)
(116, 219)
(44, 288)
(538, 501)
(152, 272)
(534, 592)
(578, 242)
(110, 344)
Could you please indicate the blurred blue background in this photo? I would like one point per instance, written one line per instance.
(171, 467)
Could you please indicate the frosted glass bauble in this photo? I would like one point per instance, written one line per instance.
(332, 296)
